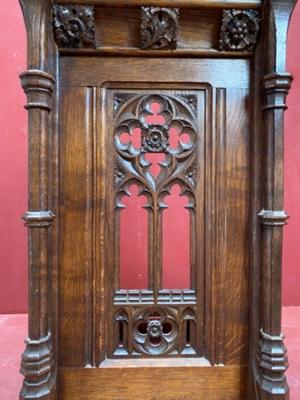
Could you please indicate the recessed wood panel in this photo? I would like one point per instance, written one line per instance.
(76, 226)
(85, 71)
(194, 303)
(121, 28)
(154, 383)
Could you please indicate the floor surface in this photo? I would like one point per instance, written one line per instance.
(13, 331)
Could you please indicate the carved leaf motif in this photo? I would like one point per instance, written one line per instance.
(191, 100)
(74, 26)
(159, 28)
(119, 175)
(191, 173)
(120, 99)
(239, 30)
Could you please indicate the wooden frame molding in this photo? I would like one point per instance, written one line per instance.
(242, 4)
(270, 85)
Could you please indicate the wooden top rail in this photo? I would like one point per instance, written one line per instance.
(170, 3)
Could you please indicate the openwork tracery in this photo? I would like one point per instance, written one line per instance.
(174, 136)
(155, 138)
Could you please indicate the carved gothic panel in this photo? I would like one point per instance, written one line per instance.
(156, 139)
(154, 331)
(159, 28)
(239, 30)
(74, 26)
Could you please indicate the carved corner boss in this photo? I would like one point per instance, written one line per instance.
(74, 26)
(239, 30)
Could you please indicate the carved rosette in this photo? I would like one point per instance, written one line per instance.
(155, 139)
(239, 30)
(155, 331)
(74, 26)
(159, 28)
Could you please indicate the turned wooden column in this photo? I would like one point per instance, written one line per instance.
(37, 359)
(272, 358)
(38, 84)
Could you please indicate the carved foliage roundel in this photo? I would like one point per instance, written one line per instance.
(155, 331)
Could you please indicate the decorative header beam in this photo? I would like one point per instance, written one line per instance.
(241, 4)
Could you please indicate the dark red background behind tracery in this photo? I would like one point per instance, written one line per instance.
(13, 165)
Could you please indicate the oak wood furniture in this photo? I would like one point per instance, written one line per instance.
(155, 143)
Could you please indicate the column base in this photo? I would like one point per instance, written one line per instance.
(37, 368)
(272, 365)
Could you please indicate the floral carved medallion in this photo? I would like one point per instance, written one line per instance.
(74, 26)
(239, 30)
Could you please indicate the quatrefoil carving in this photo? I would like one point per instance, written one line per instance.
(155, 331)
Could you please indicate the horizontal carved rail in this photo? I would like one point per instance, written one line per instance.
(170, 3)
(135, 52)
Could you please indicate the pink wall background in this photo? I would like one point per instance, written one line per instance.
(291, 245)
(13, 165)
(13, 162)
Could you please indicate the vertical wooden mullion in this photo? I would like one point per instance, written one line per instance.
(210, 162)
(193, 248)
(103, 257)
(158, 246)
(89, 212)
(94, 275)
(150, 244)
(221, 222)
